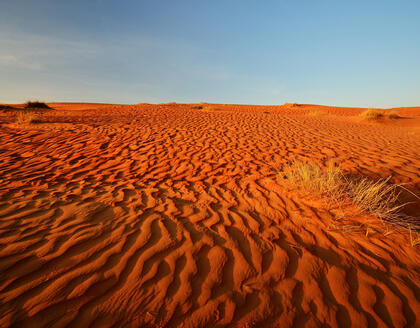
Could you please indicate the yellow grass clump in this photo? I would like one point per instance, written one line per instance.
(371, 114)
(25, 117)
(379, 198)
(286, 104)
(393, 115)
(311, 177)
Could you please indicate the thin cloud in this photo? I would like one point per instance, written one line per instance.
(36, 52)
(141, 68)
(16, 62)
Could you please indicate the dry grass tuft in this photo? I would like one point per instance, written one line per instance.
(371, 114)
(376, 197)
(36, 104)
(6, 107)
(311, 177)
(414, 237)
(393, 115)
(26, 117)
(291, 104)
(379, 198)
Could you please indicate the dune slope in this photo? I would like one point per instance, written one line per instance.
(171, 216)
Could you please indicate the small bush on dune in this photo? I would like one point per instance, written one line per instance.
(25, 117)
(6, 107)
(393, 115)
(379, 198)
(36, 104)
(291, 104)
(311, 177)
(371, 114)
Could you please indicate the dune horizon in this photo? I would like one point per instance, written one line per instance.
(286, 103)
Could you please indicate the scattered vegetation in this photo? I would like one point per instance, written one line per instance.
(312, 178)
(291, 104)
(376, 197)
(201, 105)
(414, 237)
(36, 105)
(379, 198)
(371, 114)
(6, 107)
(393, 115)
(25, 117)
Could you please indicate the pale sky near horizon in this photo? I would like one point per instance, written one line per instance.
(346, 53)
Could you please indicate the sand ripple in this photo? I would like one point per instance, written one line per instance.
(170, 216)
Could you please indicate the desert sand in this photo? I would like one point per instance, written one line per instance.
(172, 215)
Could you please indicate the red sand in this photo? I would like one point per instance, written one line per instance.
(169, 215)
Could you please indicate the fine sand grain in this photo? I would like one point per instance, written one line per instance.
(172, 215)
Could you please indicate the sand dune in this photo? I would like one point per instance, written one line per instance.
(172, 216)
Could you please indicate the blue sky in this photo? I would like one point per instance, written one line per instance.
(349, 53)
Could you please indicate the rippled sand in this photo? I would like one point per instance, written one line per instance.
(173, 216)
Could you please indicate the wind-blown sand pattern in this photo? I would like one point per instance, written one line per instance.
(172, 216)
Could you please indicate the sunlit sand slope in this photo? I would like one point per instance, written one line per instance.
(173, 216)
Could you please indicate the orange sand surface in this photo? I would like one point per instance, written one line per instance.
(172, 215)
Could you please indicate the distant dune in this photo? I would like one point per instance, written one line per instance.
(172, 215)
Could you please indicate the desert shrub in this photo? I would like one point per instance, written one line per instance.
(371, 114)
(312, 178)
(291, 104)
(25, 117)
(379, 198)
(393, 115)
(36, 104)
(6, 107)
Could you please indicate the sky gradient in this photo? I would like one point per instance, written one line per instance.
(347, 53)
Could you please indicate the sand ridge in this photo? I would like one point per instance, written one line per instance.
(171, 216)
